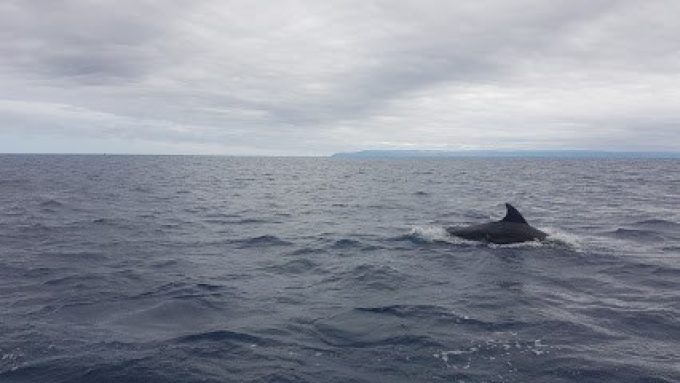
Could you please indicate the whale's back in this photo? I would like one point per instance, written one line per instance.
(499, 232)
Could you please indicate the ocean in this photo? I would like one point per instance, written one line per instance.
(229, 269)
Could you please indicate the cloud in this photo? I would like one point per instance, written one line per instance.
(304, 77)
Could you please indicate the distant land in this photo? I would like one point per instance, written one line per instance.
(503, 153)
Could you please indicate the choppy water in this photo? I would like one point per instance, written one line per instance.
(193, 269)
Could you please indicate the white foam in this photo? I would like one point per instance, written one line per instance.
(431, 233)
(560, 237)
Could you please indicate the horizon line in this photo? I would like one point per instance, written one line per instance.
(394, 153)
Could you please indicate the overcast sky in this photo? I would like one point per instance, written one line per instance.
(316, 77)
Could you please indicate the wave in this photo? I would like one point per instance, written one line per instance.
(262, 240)
(439, 314)
(182, 290)
(248, 221)
(209, 287)
(106, 221)
(74, 280)
(51, 203)
(590, 369)
(658, 324)
(306, 250)
(37, 228)
(222, 215)
(346, 244)
(14, 181)
(339, 334)
(244, 221)
(658, 224)
(222, 336)
(412, 311)
(119, 223)
(635, 234)
(349, 244)
(160, 264)
(296, 266)
(375, 277)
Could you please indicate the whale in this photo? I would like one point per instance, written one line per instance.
(513, 228)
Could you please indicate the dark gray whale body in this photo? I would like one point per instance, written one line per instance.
(513, 228)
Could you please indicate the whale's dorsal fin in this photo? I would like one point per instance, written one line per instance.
(513, 215)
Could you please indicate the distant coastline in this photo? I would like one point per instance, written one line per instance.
(388, 154)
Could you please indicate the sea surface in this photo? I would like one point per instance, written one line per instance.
(227, 269)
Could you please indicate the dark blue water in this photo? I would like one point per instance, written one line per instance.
(215, 269)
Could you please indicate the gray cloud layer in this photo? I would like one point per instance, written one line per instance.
(309, 77)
